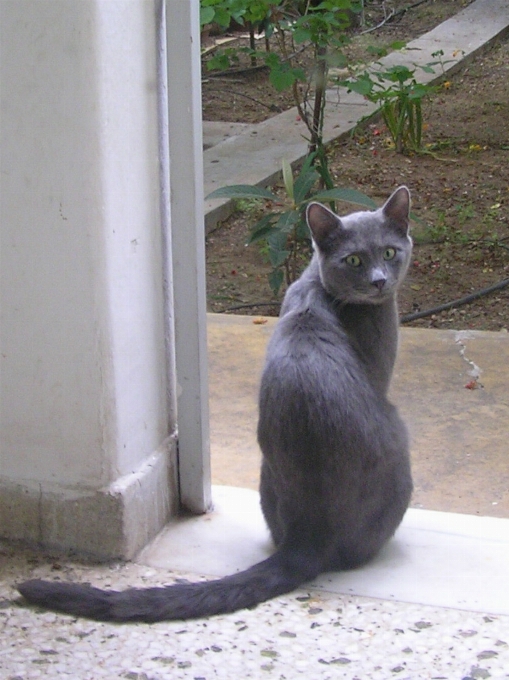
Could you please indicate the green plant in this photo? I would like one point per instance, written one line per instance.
(465, 212)
(435, 231)
(251, 207)
(400, 97)
(222, 12)
(292, 24)
(283, 231)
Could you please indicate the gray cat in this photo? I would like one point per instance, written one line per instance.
(335, 479)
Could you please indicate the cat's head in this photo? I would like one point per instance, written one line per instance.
(363, 257)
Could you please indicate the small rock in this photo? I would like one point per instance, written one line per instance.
(487, 654)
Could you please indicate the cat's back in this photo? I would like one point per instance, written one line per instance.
(308, 325)
(310, 361)
(315, 394)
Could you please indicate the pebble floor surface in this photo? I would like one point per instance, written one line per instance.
(309, 634)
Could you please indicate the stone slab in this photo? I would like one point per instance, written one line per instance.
(215, 132)
(436, 558)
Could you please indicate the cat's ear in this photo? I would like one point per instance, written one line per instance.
(324, 224)
(397, 209)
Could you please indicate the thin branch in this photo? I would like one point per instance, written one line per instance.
(392, 15)
(382, 23)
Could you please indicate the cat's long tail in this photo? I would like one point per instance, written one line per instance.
(279, 574)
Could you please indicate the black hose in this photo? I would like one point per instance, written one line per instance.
(407, 318)
(455, 303)
(251, 305)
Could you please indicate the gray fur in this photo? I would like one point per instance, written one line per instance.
(335, 479)
(336, 465)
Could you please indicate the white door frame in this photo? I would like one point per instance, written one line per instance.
(186, 245)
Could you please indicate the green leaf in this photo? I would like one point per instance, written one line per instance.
(308, 164)
(287, 221)
(260, 234)
(398, 45)
(219, 62)
(363, 85)
(398, 73)
(222, 17)
(242, 191)
(324, 172)
(288, 178)
(419, 91)
(281, 78)
(348, 195)
(277, 240)
(276, 278)
(304, 183)
(302, 34)
(377, 51)
(262, 228)
(206, 15)
(278, 257)
(302, 231)
(272, 60)
(337, 59)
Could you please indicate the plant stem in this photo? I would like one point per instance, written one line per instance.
(252, 43)
(321, 79)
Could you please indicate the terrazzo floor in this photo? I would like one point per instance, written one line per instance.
(316, 635)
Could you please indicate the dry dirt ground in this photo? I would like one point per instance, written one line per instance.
(460, 191)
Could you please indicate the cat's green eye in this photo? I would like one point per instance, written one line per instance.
(389, 253)
(353, 260)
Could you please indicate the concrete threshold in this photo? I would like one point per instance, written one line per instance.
(254, 155)
(436, 558)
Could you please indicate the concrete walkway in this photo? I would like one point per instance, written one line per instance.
(460, 446)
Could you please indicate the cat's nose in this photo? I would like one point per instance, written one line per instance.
(379, 282)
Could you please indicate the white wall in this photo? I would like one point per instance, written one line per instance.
(84, 393)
